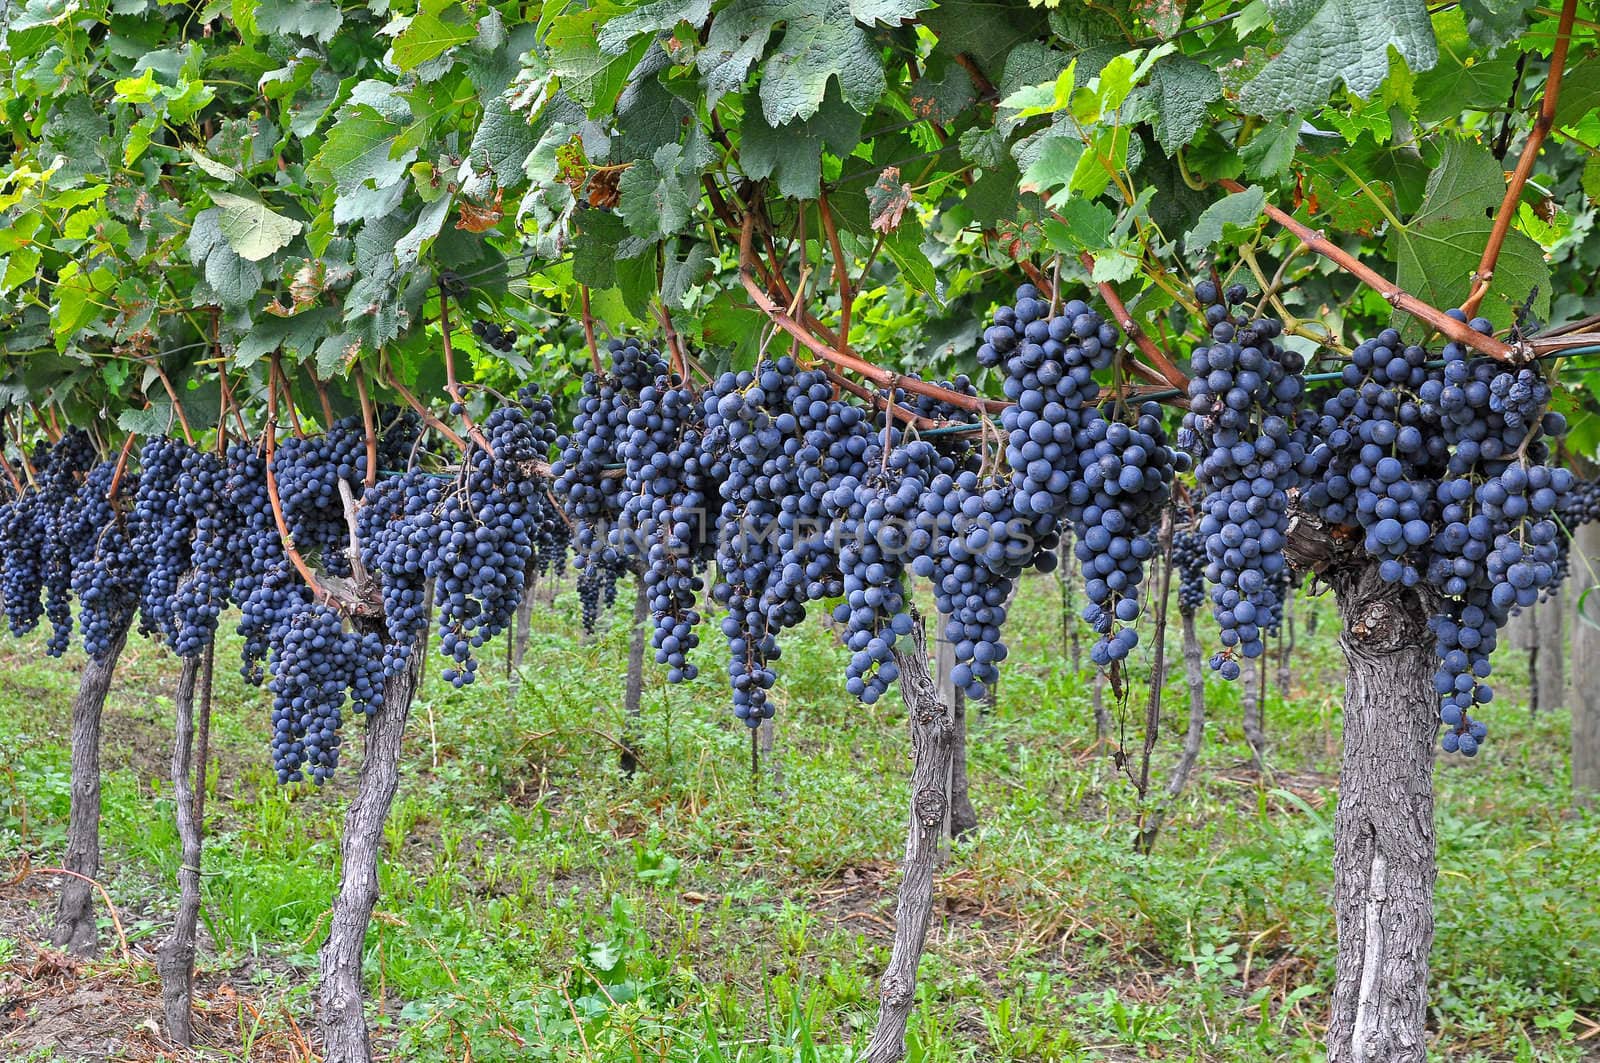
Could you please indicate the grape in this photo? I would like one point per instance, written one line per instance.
(1189, 557)
(1244, 390)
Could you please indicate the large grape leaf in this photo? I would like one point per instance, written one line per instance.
(819, 42)
(1496, 22)
(593, 77)
(428, 36)
(1328, 41)
(1238, 211)
(1467, 182)
(307, 18)
(252, 228)
(1176, 98)
(888, 12)
(659, 193)
(791, 154)
(1463, 78)
(654, 17)
(360, 143)
(1436, 262)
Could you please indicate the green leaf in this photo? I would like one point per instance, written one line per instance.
(655, 17)
(153, 420)
(306, 18)
(590, 76)
(683, 271)
(252, 228)
(429, 221)
(791, 154)
(943, 93)
(1079, 225)
(1328, 41)
(1436, 263)
(1178, 95)
(1580, 92)
(1238, 211)
(360, 144)
(21, 267)
(596, 248)
(904, 246)
(503, 140)
(234, 279)
(1054, 160)
(1464, 77)
(888, 12)
(1493, 23)
(428, 36)
(1591, 178)
(1270, 151)
(659, 193)
(1467, 182)
(820, 42)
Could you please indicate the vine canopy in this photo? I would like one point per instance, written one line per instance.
(291, 177)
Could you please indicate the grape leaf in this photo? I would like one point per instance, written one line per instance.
(1436, 263)
(791, 154)
(503, 140)
(593, 78)
(359, 144)
(1580, 92)
(1493, 23)
(1467, 182)
(252, 228)
(428, 36)
(1240, 210)
(888, 12)
(819, 43)
(1462, 78)
(1079, 225)
(655, 17)
(318, 19)
(659, 193)
(888, 197)
(1270, 151)
(1177, 96)
(233, 278)
(1328, 41)
(942, 93)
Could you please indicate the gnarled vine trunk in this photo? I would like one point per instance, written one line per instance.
(75, 920)
(175, 958)
(344, 1024)
(1384, 860)
(932, 744)
(963, 816)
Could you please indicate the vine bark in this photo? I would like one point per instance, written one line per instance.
(75, 919)
(175, 958)
(932, 744)
(344, 1025)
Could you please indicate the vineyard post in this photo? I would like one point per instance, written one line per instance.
(1251, 693)
(1585, 664)
(633, 694)
(1550, 616)
(1194, 736)
(75, 919)
(344, 1024)
(963, 817)
(1384, 849)
(175, 959)
(932, 746)
(1066, 569)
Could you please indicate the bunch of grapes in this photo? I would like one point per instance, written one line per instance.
(1189, 558)
(487, 527)
(1244, 391)
(1441, 463)
(162, 533)
(216, 552)
(494, 335)
(109, 571)
(60, 476)
(1126, 479)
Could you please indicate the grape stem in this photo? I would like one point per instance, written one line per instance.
(588, 330)
(450, 385)
(423, 412)
(284, 537)
(348, 497)
(1392, 293)
(177, 407)
(122, 464)
(868, 395)
(1530, 153)
(367, 426)
(1158, 358)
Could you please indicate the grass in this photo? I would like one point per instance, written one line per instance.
(539, 905)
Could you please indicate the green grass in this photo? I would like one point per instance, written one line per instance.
(538, 905)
